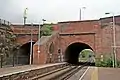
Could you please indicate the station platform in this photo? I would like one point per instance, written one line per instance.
(101, 73)
(19, 69)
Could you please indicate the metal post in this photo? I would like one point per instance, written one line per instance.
(50, 58)
(80, 14)
(114, 41)
(39, 42)
(13, 59)
(0, 22)
(61, 57)
(25, 20)
(25, 15)
(1, 60)
(31, 47)
(17, 55)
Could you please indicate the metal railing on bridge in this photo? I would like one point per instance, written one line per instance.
(4, 23)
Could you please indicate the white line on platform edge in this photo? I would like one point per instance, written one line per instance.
(84, 73)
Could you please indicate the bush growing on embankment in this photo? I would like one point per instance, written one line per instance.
(104, 62)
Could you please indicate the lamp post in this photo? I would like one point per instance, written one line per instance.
(25, 15)
(39, 41)
(114, 40)
(39, 36)
(80, 14)
(31, 46)
(43, 20)
(43, 23)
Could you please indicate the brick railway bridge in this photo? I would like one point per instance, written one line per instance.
(68, 40)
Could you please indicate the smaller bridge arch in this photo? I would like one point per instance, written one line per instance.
(24, 53)
(73, 50)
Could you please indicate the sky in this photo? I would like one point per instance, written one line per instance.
(56, 10)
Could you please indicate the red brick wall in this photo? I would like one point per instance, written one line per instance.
(107, 35)
(99, 37)
(107, 40)
(26, 38)
(65, 41)
(78, 26)
(25, 31)
(20, 29)
(44, 56)
(92, 26)
(89, 34)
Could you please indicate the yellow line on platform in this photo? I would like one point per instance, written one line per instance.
(94, 75)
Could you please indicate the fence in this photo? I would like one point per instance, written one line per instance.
(4, 23)
(13, 61)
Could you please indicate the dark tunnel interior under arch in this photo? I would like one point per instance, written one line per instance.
(72, 52)
(24, 53)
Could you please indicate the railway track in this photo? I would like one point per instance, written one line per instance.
(63, 73)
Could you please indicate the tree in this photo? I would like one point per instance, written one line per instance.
(7, 43)
(46, 30)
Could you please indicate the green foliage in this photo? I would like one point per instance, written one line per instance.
(7, 42)
(8, 45)
(106, 62)
(47, 30)
(118, 63)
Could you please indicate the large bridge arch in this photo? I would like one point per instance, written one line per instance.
(73, 50)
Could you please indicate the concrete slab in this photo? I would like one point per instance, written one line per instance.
(109, 73)
(101, 73)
